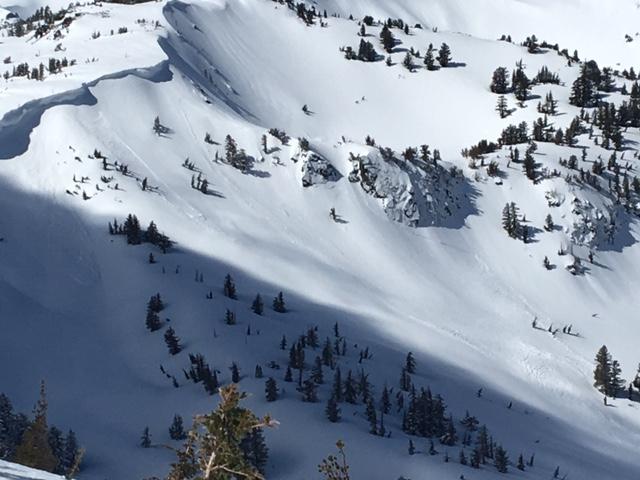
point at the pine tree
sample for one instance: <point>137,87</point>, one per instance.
<point>408,62</point>
<point>502,107</point>
<point>410,363</point>
<point>254,449</point>
<point>72,455</point>
<point>602,372</point>
<point>257,306</point>
<point>235,372</point>
<point>499,82</point>
<point>387,38</point>
<point>213,446</point>
<point>405,380</point>
<point>350,392</point>
<point>172,341</point>
<point>615,383</point>
<point>278,304</point>
<point>229,317</point>
<point>335,467</point>
<point>176,429</point>
<point>56,442</point>
<point>34,450</point>
<point>501,460</point>
<point>429,60</point>
<point>231,152</point>
<point>370,412</point>
<point>309,391</point>
<point>366,51</point>
<point>271,390</point>
<point>327,354</point>
<point>444,55</point>
<point>385,401</point>
<point>145,439</point>
<point>332,410</point>
<point>521,84</point>
<point>229,288</point>
<point>288,375</point>
<point>548,223</point>
<point>316,371</point>
<point>153,320</point>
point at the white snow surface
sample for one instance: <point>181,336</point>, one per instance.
<point>13,471</point>
<point>452,287</point>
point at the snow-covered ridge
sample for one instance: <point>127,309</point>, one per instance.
<point>415,259</point>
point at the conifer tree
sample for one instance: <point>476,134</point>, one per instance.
<point>56,442</point>
<point>499,81</point>
<point>548,223</point>
<point>501,459</point>
<point>316,371</point>
<point>521,85</point>
<point>34,450</point>
<point>350,392</point>
<point>502,107</point>
<point>257,306</point>
<point>145,439</point>
<point>309,391</point>
<point>335,467</point>
<point>153,321</point>
<point>370,412</point>
<point>387,38</point>
<point>271,390</point>
<point>385,401</point>
<point>278,303</point>
<point>172,341</point>
<point>176,429</point>
<point>429,59</point>
<point>410,363</point>
<point>229,317</point>
<point>72,456</point>
<point>408,62</point>
<point>235,372</point>
<point>444,55</point>
<point>255,451</point>
<point>332,411</point>
<point>229,287</point>
<point>213,448</point>
<point>602,372</point>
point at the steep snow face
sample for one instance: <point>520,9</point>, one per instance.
<point>440,277</point>
<point>574,24</point>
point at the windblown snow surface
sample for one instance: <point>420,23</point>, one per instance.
<point>417,261</point>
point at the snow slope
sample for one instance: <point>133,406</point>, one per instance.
<point>459,293</point>
<point>13,471</point>
<point>585,25</point>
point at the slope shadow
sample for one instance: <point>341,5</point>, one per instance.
<point>71,371</point>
